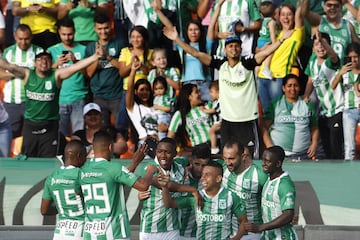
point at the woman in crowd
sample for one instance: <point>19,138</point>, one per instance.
<point>92,119</point>
<point>138,49</point>
<point>291,123</point>
<point>189,122</point>
<point>284,58</point>
<point>349,76</point>
<point>193,71</point>
<point>139,106</point>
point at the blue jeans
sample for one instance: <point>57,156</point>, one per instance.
<point>72,112</point>
<point>5,139</point>
<point>351,118</point>
<point>268,90</point>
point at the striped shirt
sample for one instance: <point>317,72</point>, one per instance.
<point>247,185</point>
<point>350,98</point>
<point>278,195</point>
<point>212,221</point>
<point>331,100</point>
<point>197,125</point>
<point>172,73</point>
<point>247,12</point>
<point>14,89</point>
<point>154,216</point>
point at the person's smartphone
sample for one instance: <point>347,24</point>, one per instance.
<point>65,52</point>
<point>347,60</point>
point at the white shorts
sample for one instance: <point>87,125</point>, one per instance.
<point>173,235</point>
<point>251,236</point>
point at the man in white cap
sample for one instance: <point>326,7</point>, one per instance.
<point>42,87</point>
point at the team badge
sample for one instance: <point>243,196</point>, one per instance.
<point>222,203</point>
<point>246,183</point>
<point>48,85</point>
<point>112,51</point>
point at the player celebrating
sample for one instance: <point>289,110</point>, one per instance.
<point>62,187</point>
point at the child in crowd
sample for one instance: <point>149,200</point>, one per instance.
<point>162,103</point>
<point>171,75</point>
<point>267,33</point>
<point>213,108</point>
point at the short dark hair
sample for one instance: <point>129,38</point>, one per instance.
<point>214,84</point>
<point>102,138</point>
<point>289,76</point>
<point>171,141</point>
<point>66,22</point>
<point>161,80</point>
<point>216,165</point>
<point>277,152</point>
<point>201,151</point>
<point>23,27</point>
<point>101,18</point>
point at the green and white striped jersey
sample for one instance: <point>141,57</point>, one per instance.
<point>350,98</point>
<point>213,220</point>
<point>102,184</point>
<point>247,186</point>
<point>63,188</point>
<point>14,89</point>
<point>348,15</point>
<point>197,125</point>
<point>322,75</point>
<point>166,4</point>
<point>247,12</point>
<point>278,195</point>
<point>154,216</point>
<point>188,225</point>
<point>172,73</point>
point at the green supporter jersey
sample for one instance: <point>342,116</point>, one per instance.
<point>248,186</point>
<point>42,97</point>
<point>14,91</point>
<point>187,215</point>
<point>154,216</point>
<point>350,98</point>
<point>173,74</point>
<point>278,195</point>
<point>166,4</point>
<point>340,36</point>
<point>213,220</point>
<point>83,18</point>
<point>292,123</point>
<point>106,82</point>
<point>322,75</point>
<point>351,18</point>
<point>198,124</point>
<point>63,188</point>
<point>102,185</point>
<point>73,89</point>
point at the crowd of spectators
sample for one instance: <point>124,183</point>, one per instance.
<point>147,68</point>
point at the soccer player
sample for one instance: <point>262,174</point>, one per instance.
<point>102,184</point>
<point>278,199</point>
<point>220,205</point>
<point>200,157</point>
<point>62,187</point>
<point>158,222</point>
<point>245,179</point>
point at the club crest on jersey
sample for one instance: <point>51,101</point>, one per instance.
<point>270,190</point>
<point>48,85</point>
<point>222,203</point>
<point>112,51</point>
<point>246,183</point>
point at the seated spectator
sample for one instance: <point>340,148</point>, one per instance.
<point>189,122</point>
<point>93,124</point>
<point>291,123</point>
